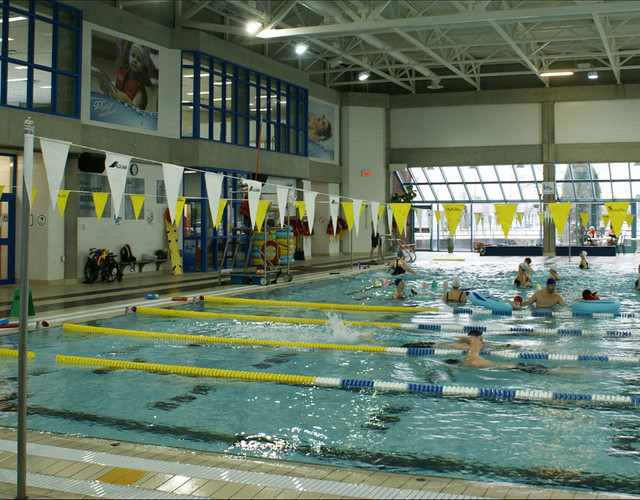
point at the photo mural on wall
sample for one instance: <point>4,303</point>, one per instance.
<point>323,134</point>
<point>124,82</point>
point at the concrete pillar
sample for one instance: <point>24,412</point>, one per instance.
<point>548,174</point>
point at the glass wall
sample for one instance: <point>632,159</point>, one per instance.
<point>225,102</point>
<point>40,56</point>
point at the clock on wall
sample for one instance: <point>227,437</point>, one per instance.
<point>133,169</point>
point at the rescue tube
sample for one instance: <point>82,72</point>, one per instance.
<point>273,260</point>
<point>595,306</point>
<point>489,302</point>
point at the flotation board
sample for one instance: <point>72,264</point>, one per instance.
<point>489,302</point>
<point>595,306</point>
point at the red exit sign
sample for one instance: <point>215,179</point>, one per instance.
<point>366,173</point>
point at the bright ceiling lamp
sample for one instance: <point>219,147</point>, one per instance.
<point>252,27</point>
<point>301,48</point>
<point>592,75</point>
<point>564,72</point>
<point>363,75</point>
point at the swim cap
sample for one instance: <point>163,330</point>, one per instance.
<point>524,266</point>
<point>553,268</point>
<point>551,281</point>
<point>517,298</point>
<point>455,283</point>
<point>527,260</point>
<point>583,253</point>
<point>398,280</point>
<point>474,333</point>
<point>399,254</point>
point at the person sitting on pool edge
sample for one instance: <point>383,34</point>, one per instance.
<point>455,294</point>
<point>523,280</point>
<point>398,265</point>
<point>583,260</point>
<point>547,297</point>
<point>399,291</point>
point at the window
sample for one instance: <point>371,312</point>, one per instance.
<point>239,106</point>
<point>40,56</point>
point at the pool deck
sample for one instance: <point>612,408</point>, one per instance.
<point>69,466</point>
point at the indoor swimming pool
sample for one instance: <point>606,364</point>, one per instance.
<point>588,444</point>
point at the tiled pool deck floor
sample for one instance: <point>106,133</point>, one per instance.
<point>67,466</point>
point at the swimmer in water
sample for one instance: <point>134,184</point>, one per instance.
<point>462,343</point>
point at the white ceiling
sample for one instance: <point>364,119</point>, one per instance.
<point>409,46</point>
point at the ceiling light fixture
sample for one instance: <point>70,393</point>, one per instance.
<point>592,75</point>
<point>335,62</point>
<point>557,73</point>
<point>301,48</point>
<point>252,27</point>
<point>363,75</point>
<point>435,84</point>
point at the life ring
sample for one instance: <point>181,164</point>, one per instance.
<point>595,306</point>
<point>275,260</point>
<point>489,302</point>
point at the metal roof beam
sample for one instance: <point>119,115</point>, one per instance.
<point>613,59</point>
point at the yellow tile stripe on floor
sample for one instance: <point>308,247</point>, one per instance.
<point>122,476</point>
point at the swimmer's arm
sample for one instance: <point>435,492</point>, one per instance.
<point>389,267</point>
<point>444,297</point>
<point>503,347</point>
<point>560,301</point>
<point>530,300</point>
<point>406,267</point>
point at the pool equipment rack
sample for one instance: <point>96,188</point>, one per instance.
<point>339,383</point>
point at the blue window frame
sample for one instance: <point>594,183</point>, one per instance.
<point>40,47</point>
<point>224,102</point>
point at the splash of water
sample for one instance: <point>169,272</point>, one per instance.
<point>341,333</point>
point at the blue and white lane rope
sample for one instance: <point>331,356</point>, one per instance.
<point>427,351</point>
<point>525,313</point>
<point>515,330</point>
<point>484,393</point>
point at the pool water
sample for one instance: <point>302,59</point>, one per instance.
<point>571,444</point>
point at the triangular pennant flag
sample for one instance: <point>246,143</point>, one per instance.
<point>347,207</point>
<point>617,211</point>
<point>301,206</point>
<point>362,207</point>
<point>381,210</point>
<point>334,208</point>
<point>418,212</point>
<point>54,154</point>
<point>254,189</point>
<point>137,200</point>
<point>221,205</point>
<point>389,218</point>
<point>33,195</point>
<point>437,214</point>
<point>117,168</point>
<point>375,213</point>
<point>605,220</point>
<point>27,165</point>
<point>559,214</point>
<point>357,210</point>
<point>282,193</point>
<point>628,219</point>
<point>213,182</point>
<point>453,212</point>
<point>1,190</point>
<point>519,217</point>
<point>400,213</point>
<point>63,196</point>
<point>504,214</point>
<point>310,203</point>
<point>100,200</point>
<point>261,213</point>
<point>584,218</point>
<point>179,208</point>
<point>478,217</point>
<point>172,179</point>
<point>541,216</point>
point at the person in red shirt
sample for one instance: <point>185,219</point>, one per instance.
<point>587,295</point>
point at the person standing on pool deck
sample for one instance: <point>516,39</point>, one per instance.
<point>455,294</point>
<point>376,241</point>
<point>547,297</point>
<point>398,265</point>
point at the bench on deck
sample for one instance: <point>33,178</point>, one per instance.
<point>143,262</point>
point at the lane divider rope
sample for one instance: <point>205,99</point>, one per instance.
<point>339,383</point>
<point>13,353</point>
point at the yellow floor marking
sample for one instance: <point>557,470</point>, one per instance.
<point>122,476</point>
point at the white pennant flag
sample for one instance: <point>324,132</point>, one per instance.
<point>310,205</point>
<point>27,166</point>
<point>334,206</point>
<point>172,179</point>
<point>374,212</point>
<point>214,188</point>
<point>390,219</point>
<point>357,207</point>
<point>54,154</point>
<point>419,218</point>
<point>254,190</point>
<point>117,167</point>
<point>282,193</point>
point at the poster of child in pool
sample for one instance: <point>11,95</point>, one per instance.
<point>125,72</point>
<point>323,134</point>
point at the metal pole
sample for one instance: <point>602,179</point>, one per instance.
<point>27,166</point>
<point>569,238</point>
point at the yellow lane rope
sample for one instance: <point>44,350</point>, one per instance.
<point>189,370</point>
<point>248,317</point>
<point>13,353</point>
<point>317,305</point>
<point>72,327</point>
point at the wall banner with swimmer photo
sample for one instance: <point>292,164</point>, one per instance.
<point>323,134</point>
<point>124,82</point>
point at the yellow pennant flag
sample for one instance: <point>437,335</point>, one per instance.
<point>1,190</point>
<point>261,213</point>
<point>222,203</point>
<point>179,209</point>
<point>559,214</point>
<point>137,200</point>
<point>33,195</point>
<point>605,220</point>
<point>541,216</point>
<point>585,219</point>
<point>300,205</point>
<point>504,214</point>
<point>617,211</point>
<point>347,207</point>
<point>63,196</point>
<point>437,214</point>
<point>100,200</point>
<point>478,217</point>
<point>380,210</point>
<point>629,219</point>
<point>453,212</point>
<point>362,207</point>
<point>519,217</point>
<point>400,214</point>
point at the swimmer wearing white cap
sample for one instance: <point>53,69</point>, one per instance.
<point>553,272</point>
<point>583,260</point>
<point>455,294</point>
